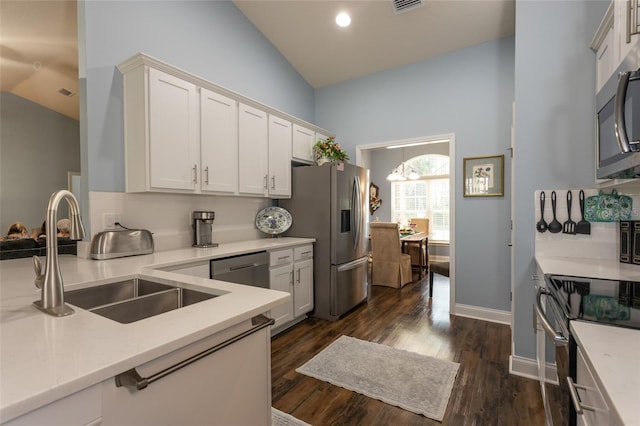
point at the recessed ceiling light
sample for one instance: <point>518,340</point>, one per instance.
<point>343,19</point>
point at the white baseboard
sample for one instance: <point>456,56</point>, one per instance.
<point>526,367</point>
<point>485,314</point>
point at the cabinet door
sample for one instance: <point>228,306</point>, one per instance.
<point>279,157</point>
<point>302,287</point>
<point>281,278</point>
<point>622,12</point>
<point>218,142</point>
<point>303,141</point>
<point>590,395</point>
<point>173,132</point>
<point>605,60</point>
<point>253,150</point>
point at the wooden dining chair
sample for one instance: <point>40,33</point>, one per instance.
<point>421,225</point>
<point>390,267</point>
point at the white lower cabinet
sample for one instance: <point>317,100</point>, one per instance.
<point>595,411</point>
<point>231,386</point>
<point>291,271</point>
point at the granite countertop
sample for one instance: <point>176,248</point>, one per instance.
<point>44,358</point>
<point>613,356</point>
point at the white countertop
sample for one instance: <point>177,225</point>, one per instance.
<point>586,267</point>
<point>613,355</point>
<point>44,358</point>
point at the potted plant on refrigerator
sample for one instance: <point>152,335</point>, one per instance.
<point>328,150</point>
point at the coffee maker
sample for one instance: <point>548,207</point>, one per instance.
<point>203,229</point>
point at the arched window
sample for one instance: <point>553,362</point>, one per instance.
<point>427,196</point>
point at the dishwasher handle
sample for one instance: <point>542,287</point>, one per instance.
<point>132,378</point>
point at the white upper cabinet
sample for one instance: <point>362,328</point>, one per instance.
<point>253,150</point>
<point>303,141</point>
<point>185,134</point>
<point>279,157</point>
<point>625,25</point>
<point>219,142</point>
<point>173,132</point>
<point>614,38</point>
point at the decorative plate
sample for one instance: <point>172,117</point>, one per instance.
<point>273,220</point>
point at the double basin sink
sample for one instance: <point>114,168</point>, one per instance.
<point>134,299</point>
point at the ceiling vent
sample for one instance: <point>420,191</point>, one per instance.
<point>401,6</point>
<point>66,92</point>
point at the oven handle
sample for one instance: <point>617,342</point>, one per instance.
<point>575,399</point>
<point>558,338</point>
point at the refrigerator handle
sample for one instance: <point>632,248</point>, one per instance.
<point>354,264</point>
<point>356,206</point>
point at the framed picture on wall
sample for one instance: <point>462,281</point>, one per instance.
<point>483,176</point>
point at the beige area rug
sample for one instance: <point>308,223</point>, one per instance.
<point>414,382</point>
<point>278,418</point>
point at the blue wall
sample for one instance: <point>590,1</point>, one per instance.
<point>554,126</point>
<point>211,39</point>
<point>469,93</point>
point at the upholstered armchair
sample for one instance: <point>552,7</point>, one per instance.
<point>390,266</point>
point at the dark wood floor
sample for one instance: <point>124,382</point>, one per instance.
<point>484,392</point>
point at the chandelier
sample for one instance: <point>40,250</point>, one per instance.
<point>400,173</point>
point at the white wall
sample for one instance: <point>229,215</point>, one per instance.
<point>468,93</point>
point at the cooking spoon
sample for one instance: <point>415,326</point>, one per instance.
<point>554,226</point>
<point>541,226</point>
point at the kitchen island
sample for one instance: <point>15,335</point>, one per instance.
<point>45,358</point>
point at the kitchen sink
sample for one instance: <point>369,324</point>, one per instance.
<point>135,299</point>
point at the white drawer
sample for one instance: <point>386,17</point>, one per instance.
<point>280,257</point>
<point>303,252</point>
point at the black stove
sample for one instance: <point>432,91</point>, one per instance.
<point>612,302</point>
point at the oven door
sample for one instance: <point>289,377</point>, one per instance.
<point>550,321</point>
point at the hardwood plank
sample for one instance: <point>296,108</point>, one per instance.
<point>484,392</point>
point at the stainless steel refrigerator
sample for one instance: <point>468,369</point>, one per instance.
<point>330,204</point>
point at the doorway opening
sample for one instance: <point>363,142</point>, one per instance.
<point>383,159</point>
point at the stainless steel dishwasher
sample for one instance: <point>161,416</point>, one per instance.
<point>249,269</point>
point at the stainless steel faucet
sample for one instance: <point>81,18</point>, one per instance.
<point>52,301</point>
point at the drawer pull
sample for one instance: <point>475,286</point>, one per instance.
<point>132,379</point>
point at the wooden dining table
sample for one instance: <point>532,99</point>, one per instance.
<point>420,239</point>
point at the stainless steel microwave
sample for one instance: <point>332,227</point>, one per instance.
<point>618,122</point>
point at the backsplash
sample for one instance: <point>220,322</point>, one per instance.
<point>168,216</point>
<point>602,243</point>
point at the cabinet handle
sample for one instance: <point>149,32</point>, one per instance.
<point>632,19</point>
<point>575,399</point>
<point>291,277</point>
<point>206,175</point>
<point>273,182</point>
<point>132,379</point>
<point>195,173</point>
<point>266,180</point>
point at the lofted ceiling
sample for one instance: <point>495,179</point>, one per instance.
<point>306,34</point>
<point>39,53</point>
